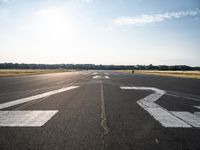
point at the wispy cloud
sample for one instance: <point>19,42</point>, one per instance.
<point>152,18</point>
<point>86,1</point>
<point>6,1</point>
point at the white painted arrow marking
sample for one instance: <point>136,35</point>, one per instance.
<point>28,118</point>
<point>96,77</point>
<point>190,118</point>
<point>101,77</point>
<point>106,77</point>
<point>166,118</point>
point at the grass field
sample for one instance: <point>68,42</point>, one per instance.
<point>182,74</point>
<point>21,72</point>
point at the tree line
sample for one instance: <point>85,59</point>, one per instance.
<point>95,67</point>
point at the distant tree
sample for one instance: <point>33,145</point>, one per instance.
<point>97,67</point>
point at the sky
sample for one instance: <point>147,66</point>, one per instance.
<point>125,32</point>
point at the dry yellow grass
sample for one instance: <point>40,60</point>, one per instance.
<point>182,74</point>
<point>21,72</point>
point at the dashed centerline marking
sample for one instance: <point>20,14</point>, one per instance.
<point>103,117</point>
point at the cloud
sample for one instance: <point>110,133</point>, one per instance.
<point>6,1</point>
<point>152,18</point>
<point>86,1</point>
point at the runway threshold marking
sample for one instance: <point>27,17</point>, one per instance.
<point>28,118</point>
<point>166,118</point>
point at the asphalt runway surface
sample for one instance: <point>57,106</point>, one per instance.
<point>96,110</point>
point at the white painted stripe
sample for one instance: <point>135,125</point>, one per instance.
<point>106,77</point>
<point>197,114</point>
<point>192,119</point>
<point>94,73</point>
<point>198,107</point>
<point>143,88</point>
<point>27,99</point>
<point>167,119</point>
<point>184,95</point>
<point>96,77</point>
<point>25,118</point>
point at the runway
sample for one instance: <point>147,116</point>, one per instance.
<point>99,110</point>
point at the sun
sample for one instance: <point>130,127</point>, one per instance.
<point>54,22</point>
